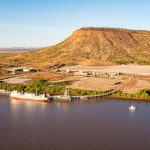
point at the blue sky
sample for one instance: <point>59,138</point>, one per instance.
<point>38,23</point>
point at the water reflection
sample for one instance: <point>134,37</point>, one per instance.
<point>62,105</point>
<point>93,101</point>
<point>131,101</point>
<point>90,124</point>
<point>27,104</point>
<point>132,112</point>
<point>26,109</point>
<point>31,107</point>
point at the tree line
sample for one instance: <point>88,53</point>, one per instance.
<point>43,86</point>
<point>142,94</point>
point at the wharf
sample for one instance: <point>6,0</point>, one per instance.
<point>92,96</point>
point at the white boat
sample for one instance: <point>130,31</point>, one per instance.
<point>132,108</point>
<point>29,96</point>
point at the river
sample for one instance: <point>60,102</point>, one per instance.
<point>104,124</point>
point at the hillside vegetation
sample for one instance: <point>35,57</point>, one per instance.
<point>91,46</point>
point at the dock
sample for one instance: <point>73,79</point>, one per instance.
<point>92,96</point>
<point>71,98</point>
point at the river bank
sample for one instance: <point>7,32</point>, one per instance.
<point>143,94</point>
<point>129,98</point>
<point>87,97</point>
<point>58,88</point>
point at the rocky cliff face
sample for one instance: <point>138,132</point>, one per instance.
<point>95,46</point>
<point>102,45</point>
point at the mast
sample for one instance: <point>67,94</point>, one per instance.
<point>66,93</point>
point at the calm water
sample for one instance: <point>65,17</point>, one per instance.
<point>90,125</point>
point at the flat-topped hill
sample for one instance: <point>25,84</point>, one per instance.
<point>94,46</point>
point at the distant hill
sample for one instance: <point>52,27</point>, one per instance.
<point>93,46</point>
<point>4,49</point>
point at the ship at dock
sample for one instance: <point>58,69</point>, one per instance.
<point>65,97</point>
<point>29,96</point>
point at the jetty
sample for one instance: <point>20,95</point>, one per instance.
<point>93,96</point>
<point>67,97</point>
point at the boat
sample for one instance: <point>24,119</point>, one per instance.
<point>29,96</point>
<point>65,97</point>
<point>132,108</point>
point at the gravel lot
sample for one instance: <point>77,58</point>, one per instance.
<point>131,69</point>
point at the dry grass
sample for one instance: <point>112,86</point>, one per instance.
<point>50,76</point>
<point>101,84</point>
<point>88,46</point>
